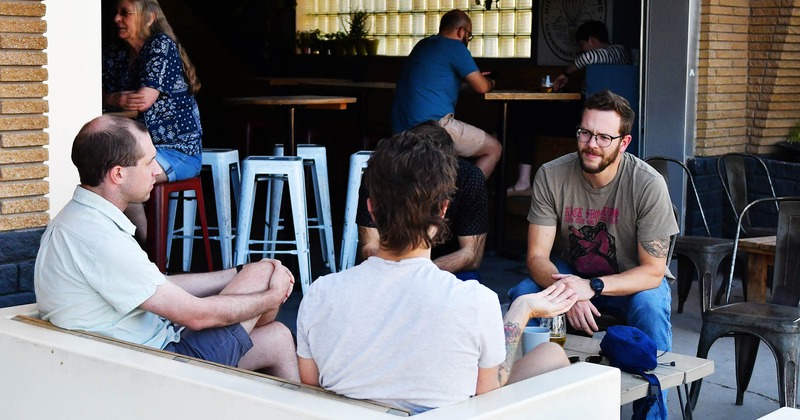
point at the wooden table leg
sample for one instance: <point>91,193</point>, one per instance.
<point>757,265</point>
<point>500,185</point>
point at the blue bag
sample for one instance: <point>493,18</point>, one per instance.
<point>633,351</point>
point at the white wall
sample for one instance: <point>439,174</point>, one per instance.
<point>74,70</point>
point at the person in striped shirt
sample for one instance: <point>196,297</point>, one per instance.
<point>592,37</point>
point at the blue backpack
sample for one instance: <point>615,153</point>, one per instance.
<point>633,351</point>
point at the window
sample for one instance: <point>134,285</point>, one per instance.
<point>504,31</point>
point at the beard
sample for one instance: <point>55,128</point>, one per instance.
<point>609,157</point>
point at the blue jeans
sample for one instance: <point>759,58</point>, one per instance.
<point>178,165</point>
<point>648,310</point>
<point>469,275</point>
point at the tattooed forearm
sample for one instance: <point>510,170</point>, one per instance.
<point>657,248</point>
<point>513,334</point>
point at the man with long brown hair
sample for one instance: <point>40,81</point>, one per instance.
<point>396,328</point>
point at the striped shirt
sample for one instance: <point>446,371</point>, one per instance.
<point>612,54</point>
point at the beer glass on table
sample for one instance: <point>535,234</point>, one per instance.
<point>558,328</point>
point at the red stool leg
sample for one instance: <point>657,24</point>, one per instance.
<point>204,223</point>
<point>157,213</point>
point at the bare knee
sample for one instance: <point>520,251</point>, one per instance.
<point>493,146</point>
<point>544,358</point>
<point>277,332</point>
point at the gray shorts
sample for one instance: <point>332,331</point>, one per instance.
<point>225,345</point>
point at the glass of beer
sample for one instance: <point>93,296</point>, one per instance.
<point>546,86</point>
<point>558,328</point>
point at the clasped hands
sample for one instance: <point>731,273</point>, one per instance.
<point>131,101</point>
<point>581,315</point>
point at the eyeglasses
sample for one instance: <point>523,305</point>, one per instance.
<point>125,12</point>
<point>603,140</point>
<point>470,34</point>
<point>596,359</point>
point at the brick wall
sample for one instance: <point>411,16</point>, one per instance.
<point>23,205</point>
<point>748,71</point>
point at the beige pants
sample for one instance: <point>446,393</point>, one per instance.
<point>468,139</point>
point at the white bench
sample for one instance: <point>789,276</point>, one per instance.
<point>49,373</point>
<point>685,370</point>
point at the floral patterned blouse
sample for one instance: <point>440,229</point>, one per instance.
<point>174,119</point>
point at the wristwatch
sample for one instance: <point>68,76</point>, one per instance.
<point>597,285</point>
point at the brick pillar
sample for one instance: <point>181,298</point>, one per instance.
<point>722,77</point>
<point>749,75</point>
<point>774,68</point>
<point>23,206</point>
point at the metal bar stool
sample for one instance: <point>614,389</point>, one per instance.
<point>315,157</point>
<point>157,212</point>
<point>224,165</point>
<point>275,169</point>
<point>358,163</point>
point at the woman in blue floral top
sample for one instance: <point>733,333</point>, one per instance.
<point>149,72</point>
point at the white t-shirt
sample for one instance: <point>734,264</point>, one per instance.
<point>91,275</point>
<point>405,333</point>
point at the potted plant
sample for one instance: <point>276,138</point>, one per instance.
<point>339,43</point>
<point>792,144</point>
<point>357,22</point>
<point>308,41</point>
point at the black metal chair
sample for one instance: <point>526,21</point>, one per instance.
<point>732,172</point>
<point>704,252</point>
<point>777,322</point>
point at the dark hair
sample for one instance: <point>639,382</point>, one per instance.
<point>409,179</point>
<point>437,134</point>
<point>607,100</point>
<point>103,143</point>
<point>592,28</point>
<point>453,20</point>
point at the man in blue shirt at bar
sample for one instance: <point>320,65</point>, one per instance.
<point>429,84</point>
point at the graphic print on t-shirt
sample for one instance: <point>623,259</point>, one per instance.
<point>592,250</point>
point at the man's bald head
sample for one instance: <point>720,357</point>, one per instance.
<point>103,143</point>
<point>453,20</point>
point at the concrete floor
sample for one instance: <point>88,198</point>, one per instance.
<point>718,394</point>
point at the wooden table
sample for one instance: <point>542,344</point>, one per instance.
<point>294,81</point>
<point>687,369</point>
<point>350,84</point>
<point>290,103</point>
<point>760,256</point>
<point>506,96</point>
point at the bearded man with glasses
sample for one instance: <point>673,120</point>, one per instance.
<point>600,223</point>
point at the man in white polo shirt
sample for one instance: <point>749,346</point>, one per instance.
<point>91,274</point>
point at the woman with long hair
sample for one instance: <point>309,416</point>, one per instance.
<point>149,72</point>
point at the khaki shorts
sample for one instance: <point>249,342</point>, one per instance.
<point>468,139</point>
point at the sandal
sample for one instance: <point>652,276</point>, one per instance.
<point>513,192</point>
